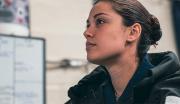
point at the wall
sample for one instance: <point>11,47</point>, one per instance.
<point>62,24</point>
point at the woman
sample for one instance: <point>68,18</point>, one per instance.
<point>119,34</point>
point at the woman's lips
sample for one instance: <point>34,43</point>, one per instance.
<point>90,45</point>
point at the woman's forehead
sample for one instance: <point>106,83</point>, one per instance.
<point>103,7</point>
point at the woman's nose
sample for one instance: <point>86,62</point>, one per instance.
<point>88,32</point>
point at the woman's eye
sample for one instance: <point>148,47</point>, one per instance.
<point>99,21</point>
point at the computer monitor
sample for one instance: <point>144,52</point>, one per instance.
<point>22,70</point>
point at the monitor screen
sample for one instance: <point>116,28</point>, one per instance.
<point>22,70</point>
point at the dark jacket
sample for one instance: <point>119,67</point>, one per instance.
<point>163,81</point>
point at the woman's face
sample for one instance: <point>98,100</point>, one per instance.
<point>105,34</point>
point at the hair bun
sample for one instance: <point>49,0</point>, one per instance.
<point>156,30</point>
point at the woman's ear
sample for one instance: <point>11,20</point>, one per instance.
<point>135,32</point>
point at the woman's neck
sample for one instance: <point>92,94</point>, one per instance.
<point>121,71</point>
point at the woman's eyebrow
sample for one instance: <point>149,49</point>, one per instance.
<point>99,14</point>
<point>96,15</point>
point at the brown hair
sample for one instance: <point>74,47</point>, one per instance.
<point>132,12</point>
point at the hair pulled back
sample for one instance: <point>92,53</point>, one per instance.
<point>132,12</point>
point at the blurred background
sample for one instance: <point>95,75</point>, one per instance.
<point>62,23</point>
